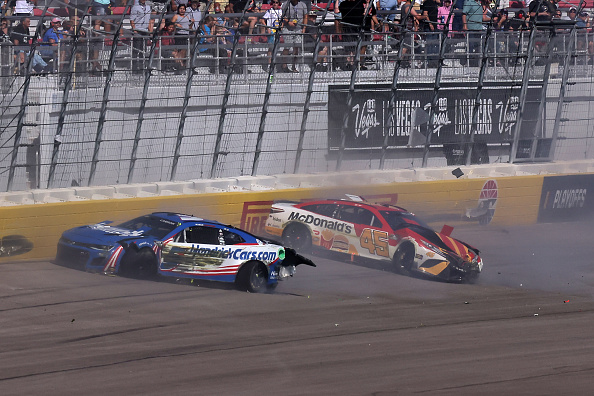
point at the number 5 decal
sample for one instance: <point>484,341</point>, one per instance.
<point>375,241</point>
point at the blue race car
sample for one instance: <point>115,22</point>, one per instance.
<point>180,246</point>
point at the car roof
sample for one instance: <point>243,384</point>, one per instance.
<point>358,203</point>
<point>183,218</point>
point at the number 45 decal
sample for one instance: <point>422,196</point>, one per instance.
<point>375,241</point>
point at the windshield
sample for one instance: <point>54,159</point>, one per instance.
<point>398,220</point>
<point>150,225</point>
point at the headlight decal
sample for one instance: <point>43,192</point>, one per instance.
<point>435,269</point>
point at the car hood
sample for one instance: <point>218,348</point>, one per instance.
<point>445,242</point>
<point>101,233</point>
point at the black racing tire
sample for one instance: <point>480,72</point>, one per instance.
<point>298,237</point>
<point>252,277</point>
<point>404,258</point>
<point>140,264</point>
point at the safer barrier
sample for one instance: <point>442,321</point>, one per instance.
<point>32,231</point>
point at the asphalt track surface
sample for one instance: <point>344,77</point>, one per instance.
<point>339,329</point>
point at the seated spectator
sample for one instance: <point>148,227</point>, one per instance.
<point>388,5</point>
<point>312,31</point>
<point>5,30</point>
<point>582,25</point>
<point>571,14</point>
<point>209,39</point>
<point>101,8</point>
<point>51,38</point>
<point>21,39</point>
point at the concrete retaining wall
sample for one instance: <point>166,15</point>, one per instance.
<point>511,193</point>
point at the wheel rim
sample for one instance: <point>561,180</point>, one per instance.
<point>257,278</point>
<point>404,258</point>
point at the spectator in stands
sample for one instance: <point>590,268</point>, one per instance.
<point>100,9</point>
<point>209,39</point>
<point>514,27</point>
<point>583,21</point>
<point>582,25</point>
<point>194,13</point>
<point>445,16</point>
<point>176,3</point>
<point>76,8</point>
<point>68,33</point>
<point>499,25</point>
<point>337,17</point>
<point>249,22</point>
<point>353,15</point>
<point>184,24</point>
<point>473,16</point>
<point>457,23</point>
<point>24,7</point>
<point>5,30</point>
<point>142,26</point>
<point>272,18</point>
<point>571,14</point>
<point>51,38</point>
<point>20,37</point>
<point>409,21</point>
<point>388,5</point>
<point>293,26</point>
<point>166,46</point>
<point>312,31</point>
<point>541,10</point>
<point>429,9</point>
<point>217,12</point>
<point>370,24</point>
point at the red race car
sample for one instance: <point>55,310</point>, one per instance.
<point>381,232</point>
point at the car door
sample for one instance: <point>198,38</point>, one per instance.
<point>196,247</point>
<point>365,236</point>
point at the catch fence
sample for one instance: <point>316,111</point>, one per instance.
<point>113,106</point>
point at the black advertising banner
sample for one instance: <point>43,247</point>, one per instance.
<point>368,118</point>
<point>565,198</point>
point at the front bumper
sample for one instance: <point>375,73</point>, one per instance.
<point>81,258</point>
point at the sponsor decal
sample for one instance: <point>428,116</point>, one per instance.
<point>375,241</point>
<point>116,231</point>
<point>374,117</point>
<point>570,198</point>
<point>190,252</point>
<point>324,223</point>
<point>565,198</point>
<point>254,216</point>
<point>487,203</point>
<point>255,213</point>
